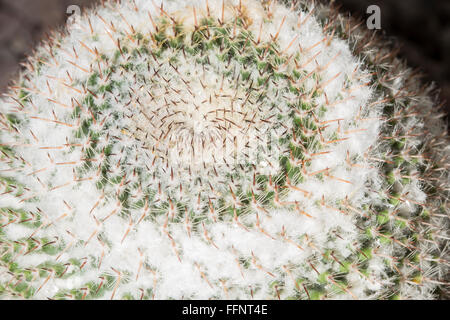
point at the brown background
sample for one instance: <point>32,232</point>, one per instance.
<point>423,26</point>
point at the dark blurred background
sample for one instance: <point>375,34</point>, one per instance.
<point>23,23</point>
<point>423,30</point>
<point>422,26</point>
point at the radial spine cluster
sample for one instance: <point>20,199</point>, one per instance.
<point>210,149</point>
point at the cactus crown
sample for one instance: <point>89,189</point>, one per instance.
<point>220,149</point>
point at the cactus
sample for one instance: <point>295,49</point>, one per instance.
<point>221,150</point>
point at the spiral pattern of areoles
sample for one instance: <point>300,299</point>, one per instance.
<point>219,150</point>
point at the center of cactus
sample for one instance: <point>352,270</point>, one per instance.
<point>198,115</point>
<point>205,108</point>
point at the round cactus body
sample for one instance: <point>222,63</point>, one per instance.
<point>221,150</point>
